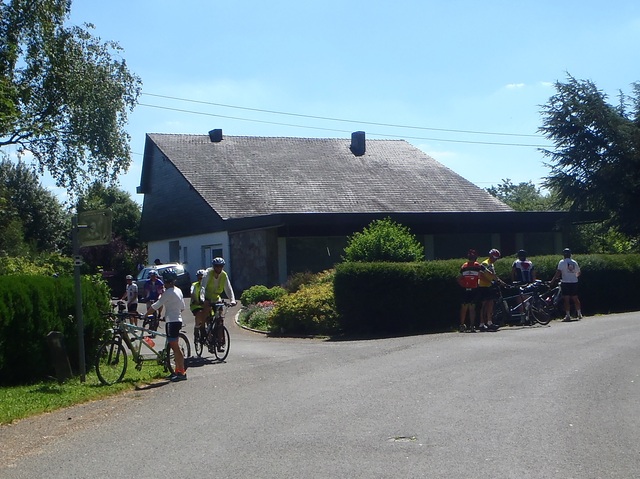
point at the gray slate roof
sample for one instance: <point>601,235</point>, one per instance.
<point>244,176</point>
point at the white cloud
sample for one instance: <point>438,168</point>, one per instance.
<point>513,86</point>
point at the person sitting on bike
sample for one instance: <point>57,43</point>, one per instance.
<point>522,273</point>
<point>196,306</point>
<point>214,282</point>
<point>173,300</point>
<point>153,289</point>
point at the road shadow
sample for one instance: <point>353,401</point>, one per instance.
<point>196,362</point>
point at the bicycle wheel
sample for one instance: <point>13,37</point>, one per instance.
<point>111,362</point>
<point>539,311</point>
<point>500,315</point>
<point>224,345</point>
<point>198,342</point>
<point>185,347</point>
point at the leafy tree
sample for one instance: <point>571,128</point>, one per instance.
<point>64,95</point>
<point>523,196</point>
<point>384,240</point>
<point>32,214</point>
<point>595,165</point>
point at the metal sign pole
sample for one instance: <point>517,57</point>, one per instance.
<point>78,288</point>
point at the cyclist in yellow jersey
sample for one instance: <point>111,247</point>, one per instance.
<point>196,304</point>
<point>487,292</point>
<point>214,282</point>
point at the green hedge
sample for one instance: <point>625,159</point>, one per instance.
<point>394,298</point>
<point>31,307</point>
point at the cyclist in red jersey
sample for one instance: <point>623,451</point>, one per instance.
<point>468,280</point>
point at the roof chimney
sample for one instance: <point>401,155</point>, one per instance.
<point>357,143</point>
<point>215,135</point>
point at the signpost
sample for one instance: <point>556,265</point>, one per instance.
<point>89,228</point>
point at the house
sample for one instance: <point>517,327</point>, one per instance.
<point>275,206</point>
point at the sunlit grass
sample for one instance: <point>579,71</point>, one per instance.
<point>18,402</point>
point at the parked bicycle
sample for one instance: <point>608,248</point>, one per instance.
<point>216,337</point>
<point>126,339</point>
<point>552,297</point>
<point>522,305</point>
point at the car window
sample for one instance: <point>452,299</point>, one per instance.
<point>144,274</point>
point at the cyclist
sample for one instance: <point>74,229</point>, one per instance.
<point>172,298</point>
<point>153,289</point>
<point>568,273</point>
<point>486,282</point>
<point>131,297</point>
<point>523,273</point>
<point>196,306</point>
<point>214,282</point>
<point>468,280</point>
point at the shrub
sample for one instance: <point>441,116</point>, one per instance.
<point>31,307</point>
<point>257,316</point>
<point>310,310</point>
<point>258,293</point>
<point>384,240</point>
<point>296,280</point>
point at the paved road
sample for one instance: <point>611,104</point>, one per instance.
<point>545,402</point>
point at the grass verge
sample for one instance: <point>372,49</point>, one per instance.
<point>19,402</point>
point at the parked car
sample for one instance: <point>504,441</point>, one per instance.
<point>183,282</point>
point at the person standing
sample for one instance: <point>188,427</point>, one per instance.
<point>522,273</point>
<point>131,297</point>
<point>173,302</point>
<point>468,280</point>
<point>487,290</point>
<point>522,270</point>
<point>568,273</point>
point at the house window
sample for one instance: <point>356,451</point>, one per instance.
<point>209,252</point>
<point>174,251</point>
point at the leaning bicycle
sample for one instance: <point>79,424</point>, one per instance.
<point>522,305</point>
<point>124,340</point>
<point>216,335</point>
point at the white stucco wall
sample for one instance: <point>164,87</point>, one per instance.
<point>193,250</point>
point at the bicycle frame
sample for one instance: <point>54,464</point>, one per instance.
<point>521,310</point>
<point>124,330</point>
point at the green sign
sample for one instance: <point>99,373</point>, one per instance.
<point>94,227</point>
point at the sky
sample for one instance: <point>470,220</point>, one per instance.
<point>464,81</point>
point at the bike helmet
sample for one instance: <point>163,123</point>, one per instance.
<point>471,254</point>
<point>200,272</point>
<point>494,253</point>
<point>522,255</point>
<point>129,277</point>
<point>153,271</point>
<point>169,275</point>
<point>566,253</point>
<point>218,261</point>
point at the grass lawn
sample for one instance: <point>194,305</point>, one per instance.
<point>18,402</point>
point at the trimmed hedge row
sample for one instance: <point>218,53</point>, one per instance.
<point>393,298</point>
<point>31,307</point>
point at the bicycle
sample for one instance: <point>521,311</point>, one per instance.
<point>216,336</point>
<point>112,357</point>
<point>151,321</point>
<point>528,306</point>
<point>552,298</point>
